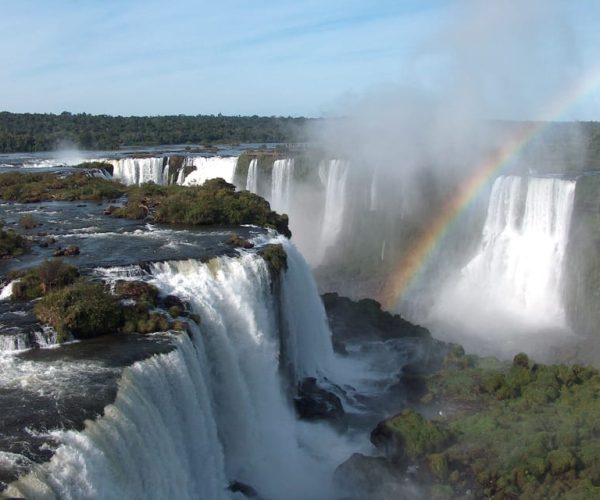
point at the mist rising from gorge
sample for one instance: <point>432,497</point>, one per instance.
<point>414,142</point>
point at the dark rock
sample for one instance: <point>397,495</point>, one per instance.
<point>110,209</point>
<point>43,244</point>
<point>243,488</point>
<point>237,241</point>
<point>70,251</point>
<point>51,240</point>
<point>173,301</point>
<point>365,320</point>
<point>315,403</point>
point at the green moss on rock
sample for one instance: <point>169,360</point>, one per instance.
<point>275,257</point>
<point>409,435</point>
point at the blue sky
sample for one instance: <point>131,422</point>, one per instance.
<point>269,57</point>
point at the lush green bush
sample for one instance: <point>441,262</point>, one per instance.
<point>515,430</point>
<point>411,436</point>
<point>82,310</point>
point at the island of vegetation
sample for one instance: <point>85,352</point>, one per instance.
<point>215,203</point>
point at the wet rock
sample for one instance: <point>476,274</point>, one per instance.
<point>315,403</point>
<point>70,251</point>
<point>365,320</point>
<point>238,242</point>
<point>243,488</point>
<point>110,209</point>
<point>173,301</point>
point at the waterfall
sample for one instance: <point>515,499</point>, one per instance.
<point>252,179</point>
<point>133,171</point>
<point>157,440</point>
<point>308,339</point>
<point>209,168</point>
<point>335,203</point>
<point>215,409</point>
<point>517,272</point>
<point>373,193</point>
<point>281,187</point>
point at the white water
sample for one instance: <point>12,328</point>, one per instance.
<point>7,290</point>
<point>281,185</point>
<point>217,409</point>
<point>252,179</point>
<point>210,168</point>
<point>134,171</point>
<point>158,440</point>
<point>335,203</point>
<point>514,282</point>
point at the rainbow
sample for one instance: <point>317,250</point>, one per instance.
<point>412,262</point>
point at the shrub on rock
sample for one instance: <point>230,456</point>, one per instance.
<point>82,310</point>
<point>275,256</point>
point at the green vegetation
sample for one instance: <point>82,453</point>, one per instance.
<point>216,202</point>
<point>48,276</point>
<point>81,310</point>
<point>275,257</point>
<point>43,132</point>
<point>12,244</point>
<point>520,430</point>
<point>35,187</point>
<point>411,436</point>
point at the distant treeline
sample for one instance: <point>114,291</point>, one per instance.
<point>30,132</point>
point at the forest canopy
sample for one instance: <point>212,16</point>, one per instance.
<point>31,132</point>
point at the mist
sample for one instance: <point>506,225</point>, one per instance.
<point>410,144</point>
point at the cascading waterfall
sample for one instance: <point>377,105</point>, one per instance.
<point>307,336</point>
<point>157,440</point>
<point>133,171</point>
<point>281,187</point>
<point>252,179</point>
<point>517,271</point>
<point>335,203</point>
<point>210,168</point>
<point>215,410</point>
